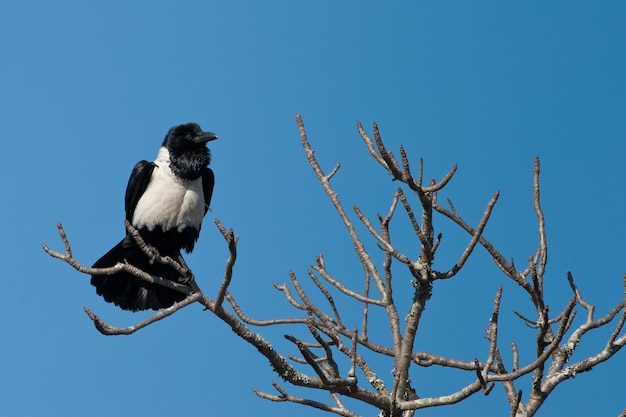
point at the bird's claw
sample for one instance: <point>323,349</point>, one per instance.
<point>187,280</point>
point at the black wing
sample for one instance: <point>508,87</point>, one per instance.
<point>137,183</point>
<point>208,181</point>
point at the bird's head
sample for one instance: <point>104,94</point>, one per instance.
<point>187,137</point>
<point>186,145</point>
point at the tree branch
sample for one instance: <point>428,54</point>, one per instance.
<point>333,344</point>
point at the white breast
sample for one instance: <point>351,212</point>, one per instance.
<point>169,201</point>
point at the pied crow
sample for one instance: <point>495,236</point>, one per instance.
<point>165,201</point>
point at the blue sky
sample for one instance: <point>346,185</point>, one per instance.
<point>87,90</point>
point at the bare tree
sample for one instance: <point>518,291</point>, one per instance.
<point>337,358</point>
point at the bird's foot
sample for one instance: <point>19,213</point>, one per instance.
<point>186,280</point>
<point>182,262</point>
<point>153,255</point>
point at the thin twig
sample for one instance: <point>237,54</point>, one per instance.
<point>271,322</point>
<point>366,261</point>
<point>109,330</point>
<point>472,244</point>
<point>231,241</point>
<point>541,223</point>
<point>321,269</point>
<point>284,396</point>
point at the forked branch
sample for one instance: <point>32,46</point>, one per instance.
<point>342,353</point>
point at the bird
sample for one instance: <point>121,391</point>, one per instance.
<point>165,202</point>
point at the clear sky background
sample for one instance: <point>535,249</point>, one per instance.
<point>87,89</point>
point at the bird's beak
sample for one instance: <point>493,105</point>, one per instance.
<point>205,137</point>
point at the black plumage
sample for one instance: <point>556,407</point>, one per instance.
<point>165,201</point>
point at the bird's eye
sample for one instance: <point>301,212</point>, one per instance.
<point>188,135</point>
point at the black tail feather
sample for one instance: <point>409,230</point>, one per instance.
<point>129,292</point>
